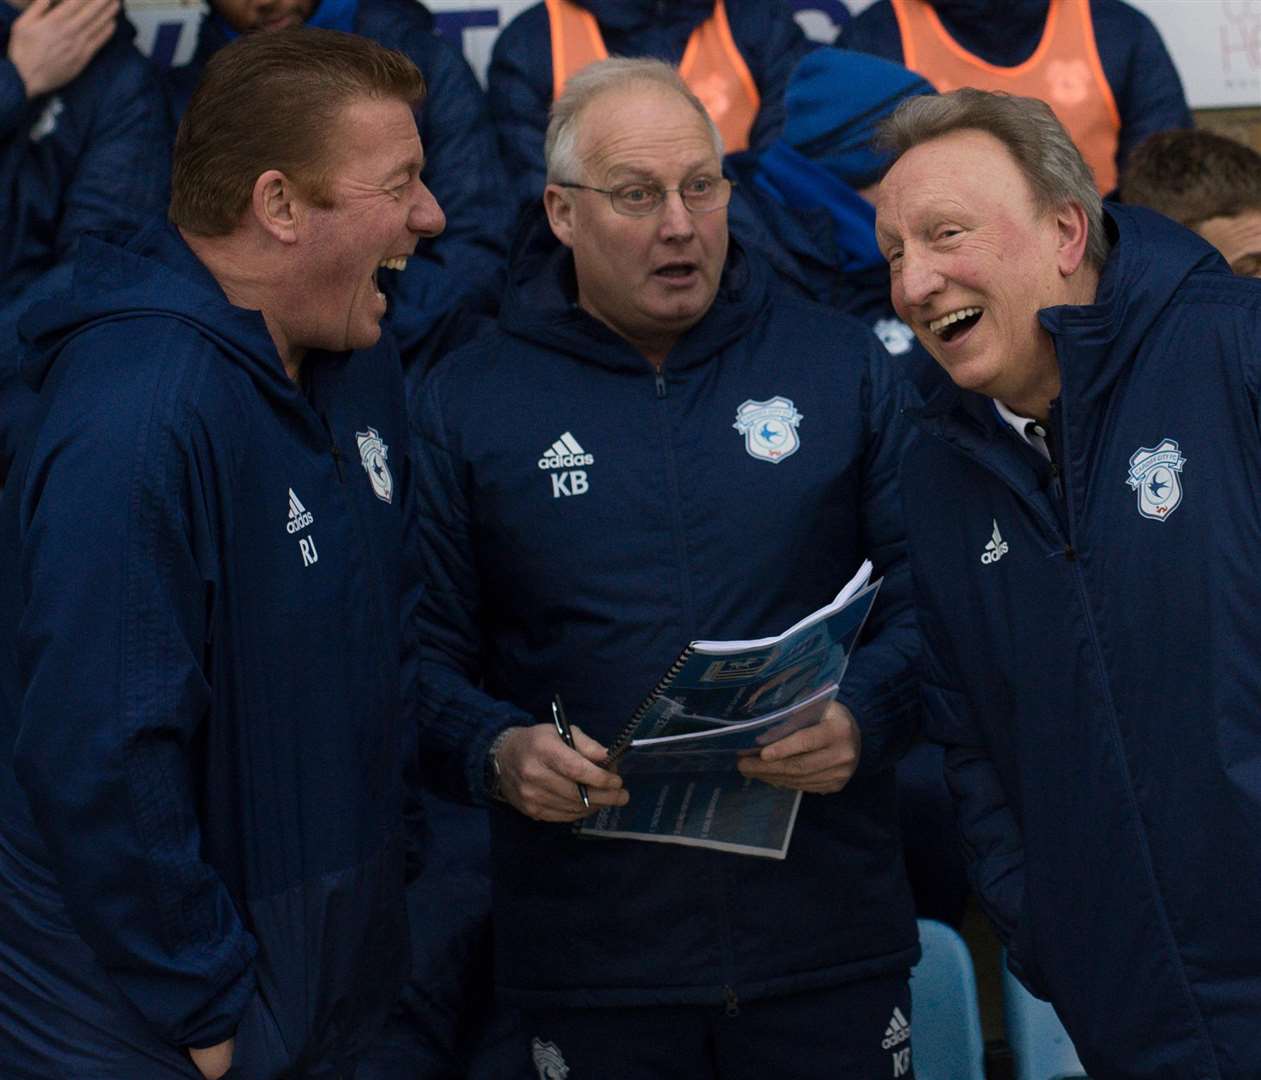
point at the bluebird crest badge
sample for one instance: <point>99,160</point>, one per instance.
<point>372,454</point>
<point>769,428</point>
<point>1156,475</point>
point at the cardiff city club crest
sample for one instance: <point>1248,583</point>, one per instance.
<point>372,454</point>
<point>1156,474</point>
<point>769,428</point>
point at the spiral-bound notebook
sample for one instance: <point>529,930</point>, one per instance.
<point>678,753</point>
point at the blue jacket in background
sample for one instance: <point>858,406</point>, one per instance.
<point>1094,671</point>
<point>811,248</point>
<point>1005,33</point>
<point>202,662</point>
<point>92,156</point>
<point>676,532</point>
<point>458,275</point>
<point>520,76</point>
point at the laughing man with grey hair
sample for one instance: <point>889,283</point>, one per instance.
<point>1081,511</point>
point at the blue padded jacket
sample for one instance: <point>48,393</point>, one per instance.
<point>1091,661</point>
<point>675,532</point>
<point>520,76</point>
<point>202,668</point>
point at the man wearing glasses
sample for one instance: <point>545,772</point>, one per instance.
<point>648,451</point>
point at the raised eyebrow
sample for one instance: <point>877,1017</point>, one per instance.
<point>630,174</point>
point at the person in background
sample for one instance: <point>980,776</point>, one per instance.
<point>436,301</point>
<point>735,55</point>
<point>80,114</point>
<point>1101,65</point>
<point>1207,182</point>
<point>1082,517</point>
<point>207,570</point>
<point>805,201</point>
<point>637,334</point>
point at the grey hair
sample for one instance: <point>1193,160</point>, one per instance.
<point>1036,140</point>
<point>560,149</point>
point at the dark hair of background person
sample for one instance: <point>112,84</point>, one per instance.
<point>1192,176</point>
<point>270,101</point>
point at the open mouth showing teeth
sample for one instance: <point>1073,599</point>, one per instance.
<point>675,270</point>
<point>949,327</point>
<point>398,262</point>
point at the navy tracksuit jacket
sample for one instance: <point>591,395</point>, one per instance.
<point>203,571</point>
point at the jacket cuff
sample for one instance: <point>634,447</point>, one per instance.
<point>888,723</point>
<point>475,763</point>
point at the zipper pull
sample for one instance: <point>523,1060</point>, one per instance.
<point>733,1002</point>
<point>661,383</point>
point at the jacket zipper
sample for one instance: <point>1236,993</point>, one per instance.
<point>732,1002</point>
<point>334,448</point>
<point>1053,526</point>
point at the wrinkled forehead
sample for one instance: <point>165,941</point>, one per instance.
<point>643,128</point>
<point>961,171</point>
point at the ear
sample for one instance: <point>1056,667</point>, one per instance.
<point>276,205</point>
<point>1073,231</point>
<point>559,205</point>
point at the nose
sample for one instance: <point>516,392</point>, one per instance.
<point>918,278</point>
<point>426,216</point>
<point>676,219</point>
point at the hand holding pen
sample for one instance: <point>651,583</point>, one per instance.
<point>545,776</point>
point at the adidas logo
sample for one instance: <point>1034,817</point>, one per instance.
<point>565,453</point>
<point>996,548</point>
<point>299,516</point>
<point>898,1031</point>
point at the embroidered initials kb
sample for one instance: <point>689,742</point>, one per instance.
<point>569,483</point>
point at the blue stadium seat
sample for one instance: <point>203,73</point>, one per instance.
<point>946,1020</point>
<point>1039,1043</point>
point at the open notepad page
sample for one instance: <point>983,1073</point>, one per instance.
<point>852,588</point>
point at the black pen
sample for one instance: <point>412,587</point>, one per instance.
<point>562,729</point>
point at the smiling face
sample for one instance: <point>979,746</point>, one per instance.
<point>380,209</point>
<point>246,15</point>
<point>972,259</point>
<point>651,278</point>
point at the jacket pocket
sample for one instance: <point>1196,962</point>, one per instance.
<point>259,1053</point>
